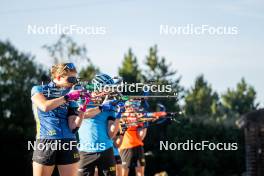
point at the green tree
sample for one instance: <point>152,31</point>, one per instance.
<point>200,99</point>
<point>89,72</point>
<point>158,71</point>
<point>241,99</point>
<point>157,68</point>
<point>18,73</point>
<point>65,49</point>
<point>129,70</point>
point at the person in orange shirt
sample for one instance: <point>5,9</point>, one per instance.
<point>131,148</point>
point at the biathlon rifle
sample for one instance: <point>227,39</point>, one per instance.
<point>98,97</point>
<point>144,120</point>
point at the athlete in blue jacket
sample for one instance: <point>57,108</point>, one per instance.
<point>95,135</point>
<point>57,122</point>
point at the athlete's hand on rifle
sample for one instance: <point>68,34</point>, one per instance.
<point>108,106</point>
<point>76,94</point>
<point>84,105</point>
<point>120,109</point>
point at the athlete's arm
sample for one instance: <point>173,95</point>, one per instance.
<point>142,133</point>
<point>113,124</point>
<point>113,127</point>
<point>106,106</point>
<point>91,112</point>
<point>75,121</point>
<point>118,141</point>
<point>47,105</point>
<point>76,117</point>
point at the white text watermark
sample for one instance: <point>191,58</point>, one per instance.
<point>61,145</point>
<point>60,29</point>
<point>191,29</point>
<point>126,87</point>
<point>190,145</point>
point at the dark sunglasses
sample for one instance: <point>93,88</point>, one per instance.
<point>72,79</point>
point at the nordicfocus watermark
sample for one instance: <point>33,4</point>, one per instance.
<point>126,87</point>
<point>60,145</point>
<point>191,29</point>
<point>59,29</point>
<point>190,145</point>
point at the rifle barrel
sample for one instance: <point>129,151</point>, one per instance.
<point>151,96</point>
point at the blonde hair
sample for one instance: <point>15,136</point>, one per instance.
<point>61,70</point>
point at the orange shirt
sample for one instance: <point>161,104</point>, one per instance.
<point>131,138</point>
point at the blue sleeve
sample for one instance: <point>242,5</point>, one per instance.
<point>36,89</point>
